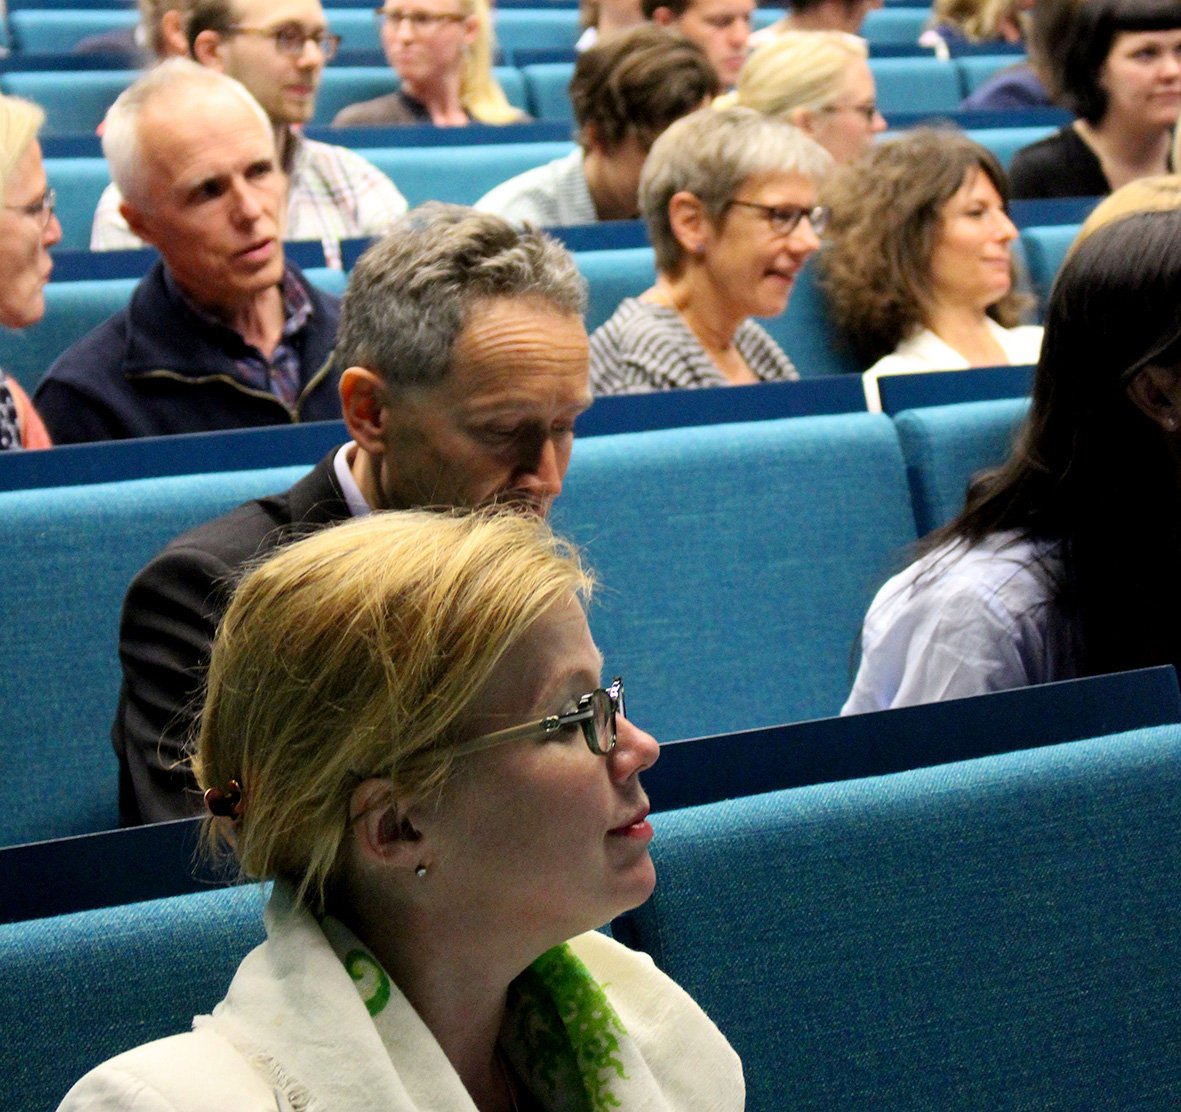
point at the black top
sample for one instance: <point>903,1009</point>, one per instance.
<point>1061,165</point>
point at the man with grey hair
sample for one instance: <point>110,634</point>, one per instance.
<point>222,332</point>
<point>278,50</point>
<point>465,367</point>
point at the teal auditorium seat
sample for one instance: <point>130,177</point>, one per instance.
<point>1004,142</point>
<point>71,310</point>
<point>341,86</point>
<point>611,276</point>
<point>1045,252</point>
<point>997,933</point>
<point>900,24</point>
<point>546,86</point>
<point>737,562</point>
<point>917,84</point>
<point>45,31</point>
<point>975,69</point>
<point>539,28</point>
<point>74,102</point>
<point>62,592</point>
<point>78,989</point>
<point>806,331</point>
<point>459,174</point>
<point>944,446</point>
<point>79,183</point>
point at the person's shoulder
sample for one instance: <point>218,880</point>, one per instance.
<point>389,108</point>
<point>197,1071</point>
<point>533,194</point>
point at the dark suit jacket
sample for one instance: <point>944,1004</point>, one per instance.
<point>169,618</point>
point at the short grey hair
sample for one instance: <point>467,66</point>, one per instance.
<point>122,141</point>
<point>409,295</point>
<point>710,153</point>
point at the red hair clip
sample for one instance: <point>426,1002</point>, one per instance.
<point>225,802</point>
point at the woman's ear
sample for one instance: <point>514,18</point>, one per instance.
<point>1154,391</point>
<point>804,119</point>
<point>689,221</point>
<point>382,825</point>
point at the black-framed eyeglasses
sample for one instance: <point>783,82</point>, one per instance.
<point>291,38</point>
<point>595,713</point>
<point>419,21</point>
<point>41,209</point>
<point>784,219</point>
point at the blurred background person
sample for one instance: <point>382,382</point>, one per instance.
<point>821,82</point>
<point>604,17</point>
<point>1117,67</point>
<point>720,27</point>
<point>1063,561</point>
<point>28,228</point>
<point>625,91</point>
<point>975,22</point>
<point>729,198</point>
<point>818,15</point>
<point>442,52</point>
<point>405,727</point>
<point>918,264</point>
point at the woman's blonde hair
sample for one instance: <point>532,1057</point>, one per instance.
<point>1160,193</point>
<point>797,69</point>
<point>356,653</point>
<point>479,92</point>
<point>980,20</point>
<point>20,120</point>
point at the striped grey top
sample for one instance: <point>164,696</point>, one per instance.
<point>645,347</point>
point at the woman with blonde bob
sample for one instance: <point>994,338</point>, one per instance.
<point>442,51</point>
<point>918,263</point>
<point>729,198</point>
<point>28,228</point>
<point>405,730</point>
<point>821,82</point>
<point>1160,193</point>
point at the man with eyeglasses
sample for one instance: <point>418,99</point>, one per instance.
<point>464,368</point>
<point>278,50</point>
<point>222,332</point>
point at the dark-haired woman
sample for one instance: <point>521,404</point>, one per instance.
<point>1119,71</point>
<point>1064,560</point>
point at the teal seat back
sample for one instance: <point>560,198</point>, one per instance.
<point>78,549</point>
<point>915,84</point>
<point>998,933</point>
<point>736,562</point>
<point>611,276</point>
<point>547,85</point>
<point>1045,252</point>
<point>49,31</point>
<point>81,988</point>
<point>79,183</point>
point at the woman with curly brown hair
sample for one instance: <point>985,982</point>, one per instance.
<point>918,262</point>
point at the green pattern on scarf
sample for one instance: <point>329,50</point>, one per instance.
<point>590,1024</point>
<point>362,966</point>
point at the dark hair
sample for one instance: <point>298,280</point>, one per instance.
<point>808,5</point>
<point>638,82</point>
<point>208,15</point>
<point>1090,470</point>
<point>886,209</point>
<point>677,7</point>
<point>1074,62</point>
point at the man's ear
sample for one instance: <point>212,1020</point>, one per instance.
<point>804,119</point>
<point>1154,392</point>
<point>172,34</point>
<point>364,399</point>
<point>663,17</point>
<point>207,50</point>
<point>382,825</point>
<point>136,222</point>
<point>689,221</point>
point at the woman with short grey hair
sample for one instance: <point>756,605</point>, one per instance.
<point>729,198</point>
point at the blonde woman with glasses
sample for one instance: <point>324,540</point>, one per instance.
<point>820,81</point>
<point>442,53</point>
<point>407,731</point>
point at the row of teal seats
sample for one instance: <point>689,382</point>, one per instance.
<point>804,330</point>
<point>737,561</point>
<point>75,102</point>
<point>57,31</point>
<point>992,933</point>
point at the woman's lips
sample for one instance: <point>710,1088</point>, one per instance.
<point>636,827</point>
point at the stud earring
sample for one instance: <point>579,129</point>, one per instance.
<point>420,872</point>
